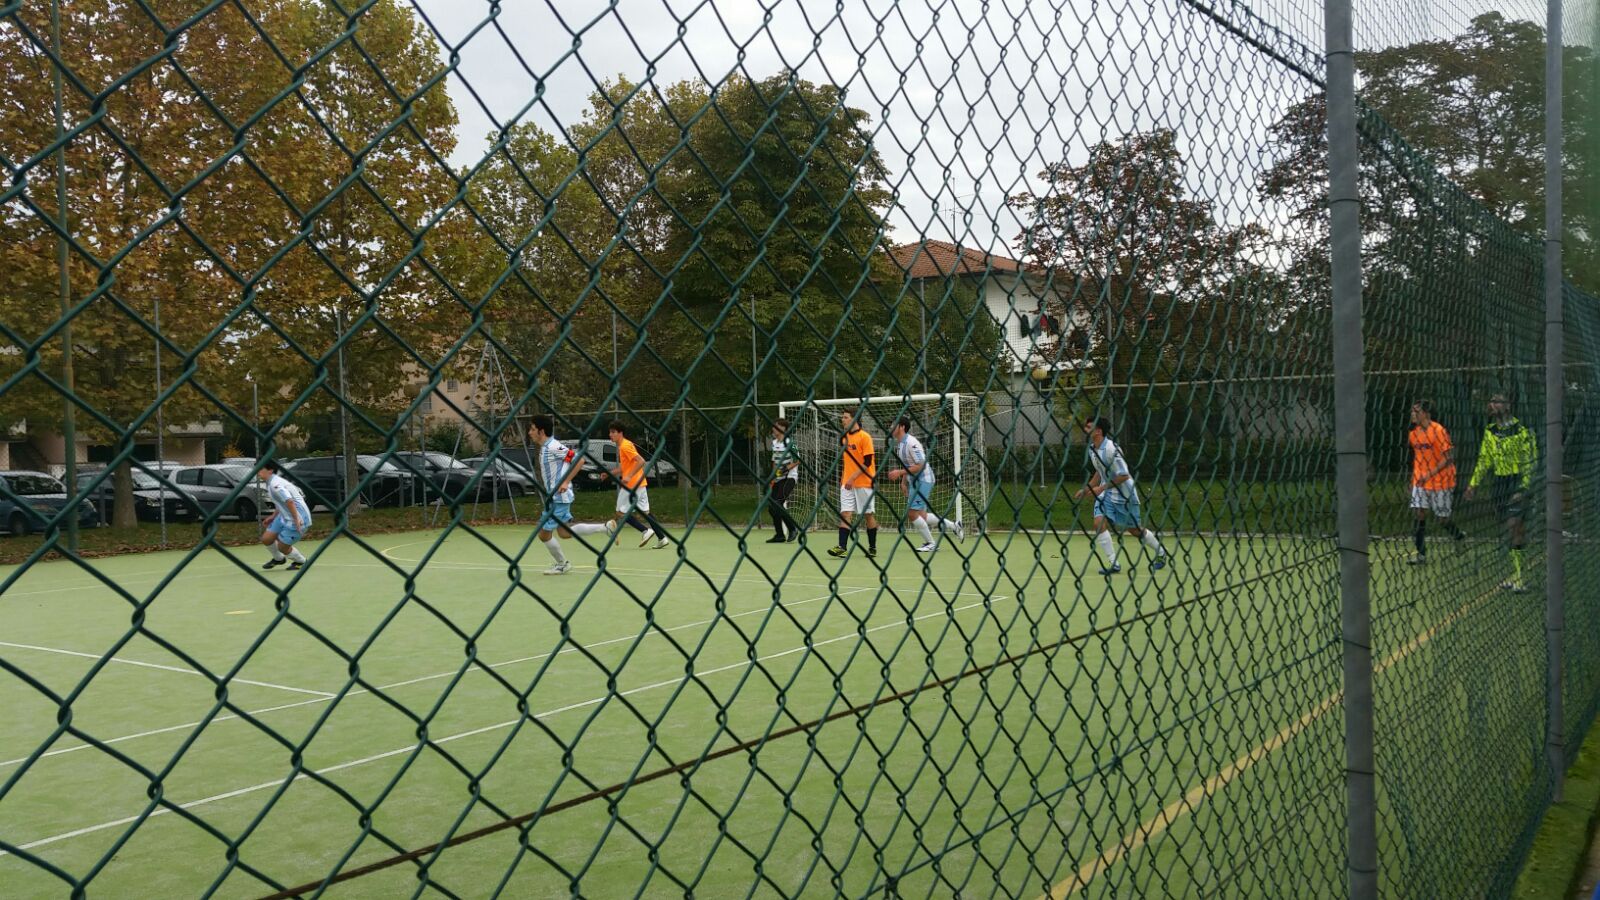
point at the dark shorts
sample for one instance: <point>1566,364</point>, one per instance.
<point>781,490</point>
<point>1510,498</point>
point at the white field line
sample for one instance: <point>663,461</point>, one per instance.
<point>325,698</point>
<point>150,665</point>
<point>671,682</point>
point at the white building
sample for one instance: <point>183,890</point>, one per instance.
<point>1015,296</point>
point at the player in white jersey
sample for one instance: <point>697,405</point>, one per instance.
<point>291,521</point>
<point>558,465</point>
<point>1116,504</point>
<point>918,477</point>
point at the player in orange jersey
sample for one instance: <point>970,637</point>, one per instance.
<point>1433,476</point>
<point>633,489</point>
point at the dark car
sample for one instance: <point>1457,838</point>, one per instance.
<point>149,496</point>
<point>519,481</point>
<point>211,488</point>
<point>448,477</point>
<point>322,479</point>
<point>39,498</point>
<point>525,460</point>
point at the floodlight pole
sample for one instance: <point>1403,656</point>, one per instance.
<point>1350,447</point>
<point>1554,385</point>
<point>69,423</point>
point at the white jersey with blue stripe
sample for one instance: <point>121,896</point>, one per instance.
<point>286,494</point>
<point>911,453</point>
<point>1109,463</point>
<point>555,461</point>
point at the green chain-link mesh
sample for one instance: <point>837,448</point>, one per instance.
<point>377,238</point>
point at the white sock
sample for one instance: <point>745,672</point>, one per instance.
<point>934,521</point>
<point>1154,545</point>
<point>922,529</point>
<point>296,555</point>
<point>1108,547</point>
<point>273,549</point>
<point>587,528</point>
<point>554,546</point>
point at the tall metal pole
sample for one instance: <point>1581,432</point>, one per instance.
<point>161,454</point>
<point>255,414</point>
<point>1554,384</point>
<point>346,451</point>
<point>69,421</point>
<point>1350,446</point>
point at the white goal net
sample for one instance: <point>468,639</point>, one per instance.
<point>950,427</point>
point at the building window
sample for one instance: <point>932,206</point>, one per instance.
<point>451,385</point>
<point>427,404</point>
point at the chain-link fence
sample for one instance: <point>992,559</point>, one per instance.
<point>1206,538</point>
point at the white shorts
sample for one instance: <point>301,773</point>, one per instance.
<point>1436,502</point>
<point>638,498</point>
<point>858,500</point>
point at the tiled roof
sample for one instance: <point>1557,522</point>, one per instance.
<point>934,259</point>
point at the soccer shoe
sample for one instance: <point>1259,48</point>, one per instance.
<point>836,551</point>
<point>961,533</point>
<point>645,538</point>
<point>871,552</point>
<point>1111,570</point>
<point>1514,586</point>
<point>662,544</point>
<point>559,568</point>
<point>1158,563</point>
<point>295,566</point>
<point>273,563</point>
<point>1417,559</point>
<point>776,539</point>
<point>926,548</point>
<point>793,536</point>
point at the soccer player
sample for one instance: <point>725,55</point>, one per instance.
<point>1507,457</point>
<point>780,486</point>
<point>633,489</point>
<point>1433,477</point>
<point>289,524</point>
<point>919,485</point>
<point>856,497</point>
<point>1116,503</point>
<point>558,465</point>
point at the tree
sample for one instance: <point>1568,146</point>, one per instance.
<point>249,247</point>
<point>1473,104</point>
<point>1152,267</point>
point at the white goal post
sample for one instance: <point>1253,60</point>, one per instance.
<point>950,427</point>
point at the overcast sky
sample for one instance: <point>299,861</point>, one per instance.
<point>969,103</point>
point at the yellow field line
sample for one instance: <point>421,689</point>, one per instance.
<point>1159,823</point>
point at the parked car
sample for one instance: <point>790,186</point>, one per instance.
<point>211,487</point>
<point>236,470</point>
<point>148,497</point>
<point>603,457</point>
<point>520,481</point>
<point>322,478</point>
<point>448,477</point>
<point>41,497</point>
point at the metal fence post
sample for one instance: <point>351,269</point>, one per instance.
<point>1554,383</point>
<point>1349,417</point>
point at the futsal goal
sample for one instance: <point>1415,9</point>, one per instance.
<point>950,427</point>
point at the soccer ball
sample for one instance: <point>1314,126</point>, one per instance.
<point>1042,373</point>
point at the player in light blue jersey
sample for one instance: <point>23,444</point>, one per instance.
<point>289,524</point>
<point>558,465</point>
<point>917,475</point>
<point>1116,504</point>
